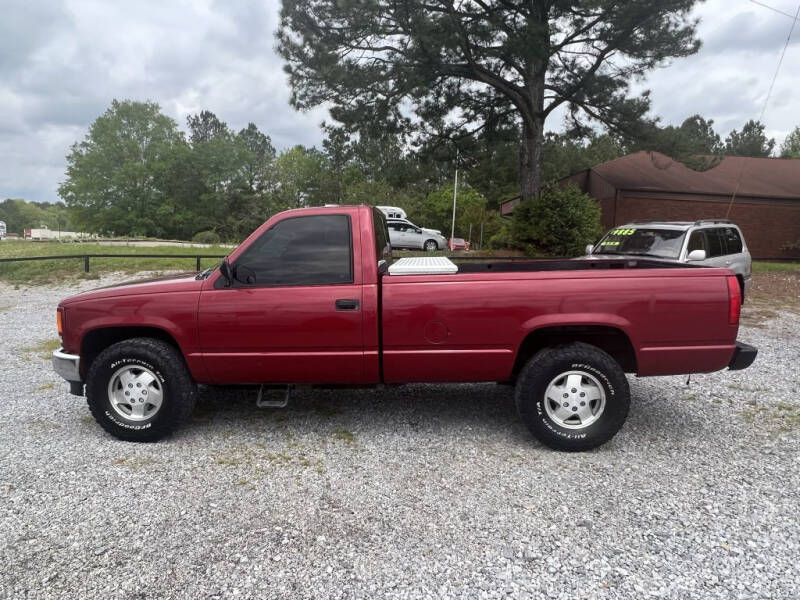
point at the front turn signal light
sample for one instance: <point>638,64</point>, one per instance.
<point>60,321</point>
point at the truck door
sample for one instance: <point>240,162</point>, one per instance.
<point>293,312</point>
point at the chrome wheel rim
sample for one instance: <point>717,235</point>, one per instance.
<point>574,400</point>
<point>135,393</point>
<point>430,246</point>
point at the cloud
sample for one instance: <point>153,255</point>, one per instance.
<point>63,61</point>
<point>729,78</point>
<point>61,64</point>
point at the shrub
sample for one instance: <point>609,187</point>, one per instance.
<point>560,221</point>
<point>206,237</point>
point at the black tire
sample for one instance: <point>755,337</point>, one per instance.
<point>545,367</point>
<point>430,245</point>
<point>179,392</point>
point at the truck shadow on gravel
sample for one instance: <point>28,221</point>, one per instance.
<point>484,411</point>
<point>485,408</point>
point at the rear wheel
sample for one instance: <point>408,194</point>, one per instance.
<point>573,397</point>
<point>431,245</point>
<point>140,390</point>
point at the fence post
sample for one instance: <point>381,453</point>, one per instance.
<point>198,261</point>
<point>86,263</point>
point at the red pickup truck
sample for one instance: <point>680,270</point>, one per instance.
<point>308,299</point>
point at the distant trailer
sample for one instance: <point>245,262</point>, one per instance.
<point>3,230</point>
<point>44,233</point>
<point>393,212</point>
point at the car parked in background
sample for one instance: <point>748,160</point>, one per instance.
<point>458,244</point>
<point>404,234</point>
<point>712,243</point>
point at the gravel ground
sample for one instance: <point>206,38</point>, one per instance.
<point>414,492</point>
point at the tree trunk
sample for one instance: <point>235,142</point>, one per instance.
<point>530,158</point>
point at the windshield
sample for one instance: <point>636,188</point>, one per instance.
<point>661,243</point>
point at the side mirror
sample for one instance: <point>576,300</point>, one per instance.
<point>244,274</point>
<point>419,230</point>
<point>696,255</point>
<point>589,248</point>
<point>225,270</point>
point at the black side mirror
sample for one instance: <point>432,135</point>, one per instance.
<point>225,270</point>
<point>244,274</point>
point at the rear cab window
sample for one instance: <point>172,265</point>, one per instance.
<point>383,248</point>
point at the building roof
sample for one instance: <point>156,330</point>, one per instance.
<point>652,171</point>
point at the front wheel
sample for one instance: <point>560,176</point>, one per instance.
<point>431,245</point>
<point>139,390</point>
<point>573,397</point>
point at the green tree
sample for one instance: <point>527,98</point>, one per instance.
<point>436,212</point>
<point>560,221</point>
<point>457,67</point>
<point>259,159</point>
<point>565,155</point>
<point>303,178</point>
<point>791,145</point>
<point>111,180</point>
<point>750,141</point>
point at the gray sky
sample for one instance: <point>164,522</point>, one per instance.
<point>63,61</point>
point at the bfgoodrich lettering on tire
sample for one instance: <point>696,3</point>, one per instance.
<point>573,397</point>
<point>139,390</point>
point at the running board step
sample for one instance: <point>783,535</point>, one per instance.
<point>262,402</point>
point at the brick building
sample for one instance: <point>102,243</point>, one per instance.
<point>649,185</point>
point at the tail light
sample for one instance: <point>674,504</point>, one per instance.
<point>60,321</point>
<point>734,300</point>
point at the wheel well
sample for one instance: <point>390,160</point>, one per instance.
<point>609,339</point>
<point>97,340</point>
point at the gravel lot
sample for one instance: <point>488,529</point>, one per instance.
<point>415,492</point>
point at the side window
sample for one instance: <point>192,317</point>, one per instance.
<point>313,250</point>
<point>716,245</point>
<point>733,240</point>
<point>697,241</point>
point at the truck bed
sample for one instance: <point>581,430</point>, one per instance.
<point>469,326</point>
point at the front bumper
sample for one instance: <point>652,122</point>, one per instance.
<point>743,356</point>
<point>68,366</point>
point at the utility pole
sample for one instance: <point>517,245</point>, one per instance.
<point>455,195</point>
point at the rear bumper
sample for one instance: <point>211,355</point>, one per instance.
<point>743,356</point>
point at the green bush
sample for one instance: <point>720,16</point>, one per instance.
<point>206,237</point>
<point>560,221</point>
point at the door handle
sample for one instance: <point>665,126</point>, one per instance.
<point>346,304</point>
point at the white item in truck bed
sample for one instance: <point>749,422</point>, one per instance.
<point>423,265</point>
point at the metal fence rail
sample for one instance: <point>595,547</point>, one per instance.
<point>87,257</point>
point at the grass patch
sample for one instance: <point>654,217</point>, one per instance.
<point>346,436</point>
<point>762,266</point>
<point>781,417</point>
<point>45,349</point>
<point>42,272</point>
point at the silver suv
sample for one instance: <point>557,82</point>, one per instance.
<point>714,243</point>
<point>404,234</point>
